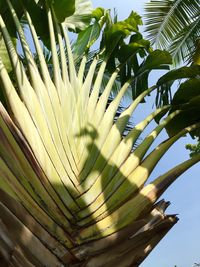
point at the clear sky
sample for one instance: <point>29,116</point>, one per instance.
<point>181,246</point>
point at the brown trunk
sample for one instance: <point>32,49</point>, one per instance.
<point>25,243</point>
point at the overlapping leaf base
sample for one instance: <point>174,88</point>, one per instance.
<point>72,190</point>
<point>24,242</point>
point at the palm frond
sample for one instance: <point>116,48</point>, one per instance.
<point>173,25</point>
<point>185,43</point>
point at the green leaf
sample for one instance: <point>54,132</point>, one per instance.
<point>98,13</point>
<point>187,98</point>
<point>134,19</point>
<point>81,18</point>
<point>166,81</point>
<point>120,30</point>
<point>156,59</point>
<point>186,118</point>
<point>63,8</point>
<point>184,72</point>
<point>187,93</point>
<point>194,148</point>
<point>88,36</point>
<point>128,50</point>
<point>128,54</point>
<point>86,39</point>
<point>174,26</point>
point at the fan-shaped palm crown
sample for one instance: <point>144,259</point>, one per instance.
<point>72,191</point>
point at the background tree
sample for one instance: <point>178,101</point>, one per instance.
<point>174,25</point>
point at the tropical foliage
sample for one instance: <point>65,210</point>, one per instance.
<point>174,25</point>
<point>194,149</point>
<point>74,190</point>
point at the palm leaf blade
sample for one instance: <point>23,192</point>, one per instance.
<point>174,26</point>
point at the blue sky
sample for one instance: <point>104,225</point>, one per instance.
<point>181,246</point>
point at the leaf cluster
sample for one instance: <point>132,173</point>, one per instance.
<point>121,46</point>
<point>124,47</point>
<point>186,97</point>
<point>174,25</point>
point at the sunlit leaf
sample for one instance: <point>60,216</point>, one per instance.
<point>80,19</point>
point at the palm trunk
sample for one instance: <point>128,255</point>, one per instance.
<point>24,242</point>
